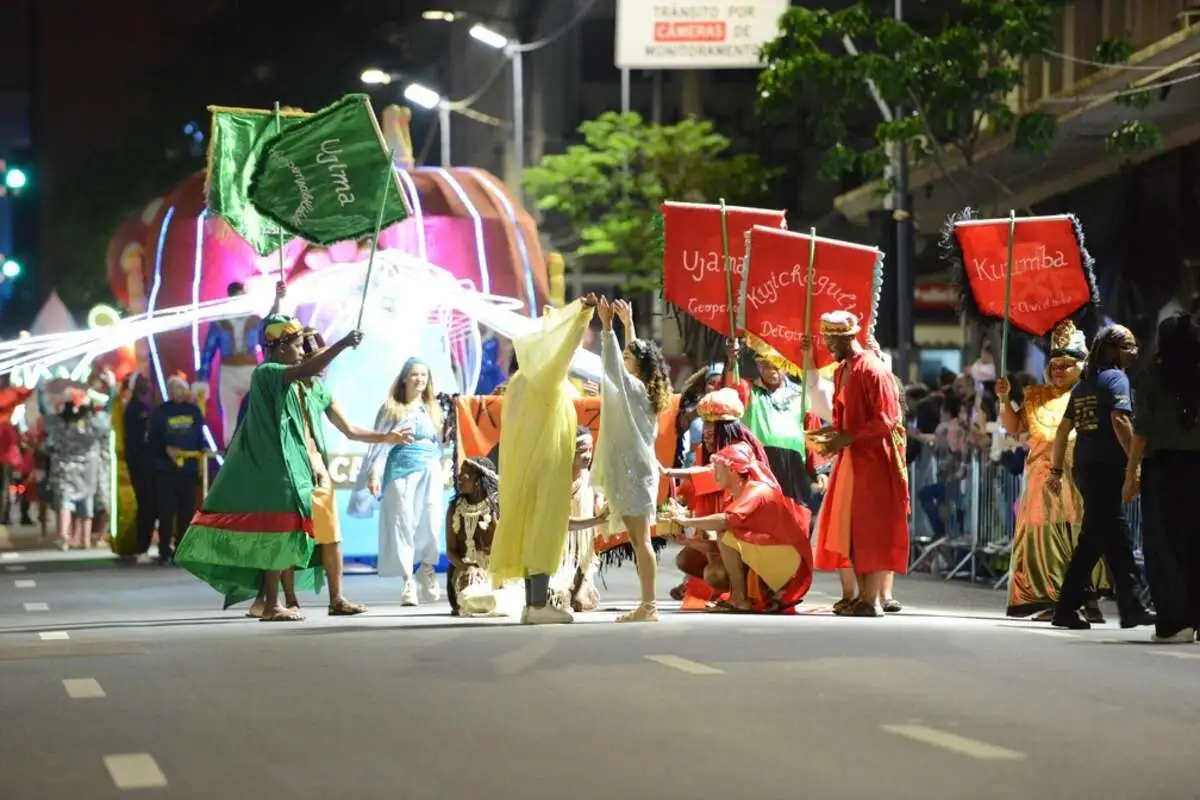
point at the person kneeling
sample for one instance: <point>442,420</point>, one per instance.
<point>760,531</point>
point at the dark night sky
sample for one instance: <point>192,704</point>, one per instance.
<point>113,82</point>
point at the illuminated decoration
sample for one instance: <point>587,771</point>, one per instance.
<point>102,316</point>
<point>414,201</point>
<point>11,268</point>
<point>511,212</point>
<point>153,299</point>
<point>197,272</point>
<point>485,283</point>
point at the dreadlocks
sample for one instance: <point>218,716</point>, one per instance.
<point>1106,350</point>
<point>489,482</point>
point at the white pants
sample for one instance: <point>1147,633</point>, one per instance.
<point>410,514</point>
<point>235,384</point>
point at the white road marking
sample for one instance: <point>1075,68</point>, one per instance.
<point>1173,654</point>
<point>135,771</point>
<point>523,657</point>
<point>36,607</point>
<point>683,665</point>
<point>15,568</point>
<point>82,688</point>
<point>25,584</point>
<point>953,742</point>
<point>53,636</point>
<point>9,556</point>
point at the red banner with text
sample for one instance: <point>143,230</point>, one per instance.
<point>845,278</point>
<point>693,266</point>
<point>1049,282</point>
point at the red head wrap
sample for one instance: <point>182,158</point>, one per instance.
<point>739,458</point>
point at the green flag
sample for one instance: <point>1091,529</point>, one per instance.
<point>235,148</point>
<point>322,178</point>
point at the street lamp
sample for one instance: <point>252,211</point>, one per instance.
<point>11,269</point>
<point>427,98</point>
<point>439,16</point>
<point>515,52</point>
<point>375,77</point>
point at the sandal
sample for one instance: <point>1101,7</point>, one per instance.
<point>645,612</point>
<point>892,606</point>
<point>344,608</point>
<point>845,604</point>
<point>256,610</point>
<point>864,610</point>
<point>282,615</point>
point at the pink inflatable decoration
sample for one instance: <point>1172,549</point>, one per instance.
<point>174,253</point>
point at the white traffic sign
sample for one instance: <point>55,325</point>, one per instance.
<point>692,34</point>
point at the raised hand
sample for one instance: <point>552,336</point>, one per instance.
<point>589,300</point>
<point>353,339</point>
<point>604,310</point>
<point>624,313</point>
<point>1003,388</point>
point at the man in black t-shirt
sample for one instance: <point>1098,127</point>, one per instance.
<point>1100,412</point>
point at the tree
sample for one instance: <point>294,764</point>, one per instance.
<point>955,83</point>
<point>610,188</point>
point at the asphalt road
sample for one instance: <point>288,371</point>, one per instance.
<point>113,678</point>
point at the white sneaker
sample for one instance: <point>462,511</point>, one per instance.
<point>546,615</point>
<point>427,585</point>
<point>1185,636</point>
<point>408,597</point>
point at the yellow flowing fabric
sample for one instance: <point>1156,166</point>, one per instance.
<point>537,449</point>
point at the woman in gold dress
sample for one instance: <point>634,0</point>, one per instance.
<point>1047,523</point>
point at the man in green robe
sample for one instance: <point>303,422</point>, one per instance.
<point>257,521</point>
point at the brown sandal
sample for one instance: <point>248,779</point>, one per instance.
<point>282,615</point>
<point>344,608</point>
<point>845,606</point>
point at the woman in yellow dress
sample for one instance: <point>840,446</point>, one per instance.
<point>1047,523</point>
<point>537,449</point>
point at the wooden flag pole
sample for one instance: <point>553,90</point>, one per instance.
<point>1008,276</point>
<point>808,290</point>
<point>728,282</point>
<point>278,227</point>
<point>383,195</point>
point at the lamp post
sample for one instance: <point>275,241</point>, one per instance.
<point>514,52</point>
<point>427,98</point>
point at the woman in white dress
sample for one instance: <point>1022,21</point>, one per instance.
<point>408,480</point>
<point>636,390</point>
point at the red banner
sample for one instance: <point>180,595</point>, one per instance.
<point>693,267</point>
<point>844,279</point>
<point>1048,279</point>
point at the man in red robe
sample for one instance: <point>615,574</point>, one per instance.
<point>871,537</point>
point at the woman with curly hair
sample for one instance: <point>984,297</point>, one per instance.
<point>635,391</point>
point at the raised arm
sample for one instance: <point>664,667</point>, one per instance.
<point>318,363</point>
<point>357,434</point>
<point>212,343</point>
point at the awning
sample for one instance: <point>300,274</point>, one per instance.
<point>1086,115</point>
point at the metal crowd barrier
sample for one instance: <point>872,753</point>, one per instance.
<point>978,513</point>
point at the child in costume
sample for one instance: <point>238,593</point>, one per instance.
<point>271,505</point>
<point>636,390</point>
<point>470,529</point>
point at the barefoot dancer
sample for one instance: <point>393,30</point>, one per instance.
<point>588,510</point>
<point>864,519</point>
<point>633,395</point>
<point>272,502</point>
<point>762,535</point>
<point>537,447</point>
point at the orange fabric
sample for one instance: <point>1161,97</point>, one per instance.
<point>833,523</point>
<point>479,433</point>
